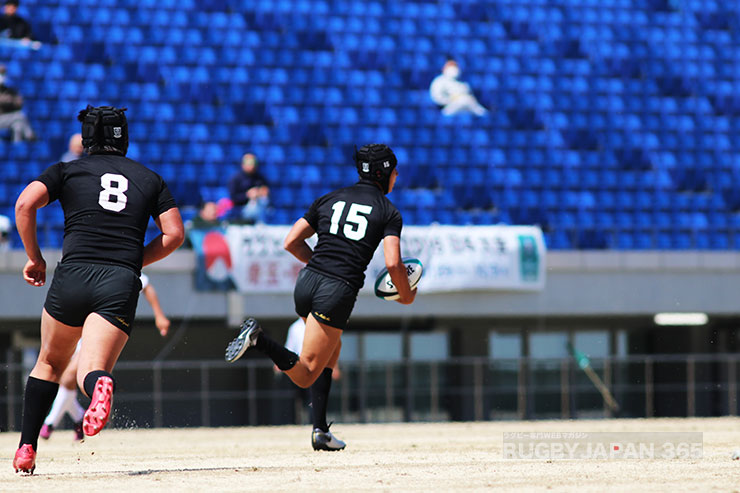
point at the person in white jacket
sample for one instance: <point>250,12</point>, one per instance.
<point>452,95</point>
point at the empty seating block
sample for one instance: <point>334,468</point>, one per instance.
<point>612,124</point>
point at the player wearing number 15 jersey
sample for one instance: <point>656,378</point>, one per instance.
<point>107,201</point>
<point>350,224</point>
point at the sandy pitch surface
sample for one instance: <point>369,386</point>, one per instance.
<point>385,457</point>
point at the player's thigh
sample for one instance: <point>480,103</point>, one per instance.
<point>319,344</point>
<point>58,342</point>
<point>334,358</point>
<point>102,343</point>
<point>69,377</point>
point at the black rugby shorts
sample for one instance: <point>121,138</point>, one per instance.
<point>330,300</point>
<point>79,289</point>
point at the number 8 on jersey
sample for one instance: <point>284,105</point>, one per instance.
<point>113,186</point>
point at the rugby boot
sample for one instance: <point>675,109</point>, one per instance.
<point>45,432</point>
<point>247,338</point>
<point>25,459</point>
<point>325,440</point>
<point>99,410</point>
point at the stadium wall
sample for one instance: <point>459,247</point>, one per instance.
<point>655,371</point>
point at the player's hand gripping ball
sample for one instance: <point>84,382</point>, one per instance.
<point>384,287</point>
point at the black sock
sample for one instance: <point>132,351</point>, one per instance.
<point>320,399</point>
<point>92,377</point>
<point>284,358</point>
<point>37,401</point>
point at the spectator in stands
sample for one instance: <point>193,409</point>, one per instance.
<point>207,217</point>
<point>5,227</point>
<point>250,190</point>
<point>11,115</point>
<point>74,149</point>
<point>12,25</point>
<point>452,95</point>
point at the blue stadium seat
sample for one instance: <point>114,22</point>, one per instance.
<point>594,125</point>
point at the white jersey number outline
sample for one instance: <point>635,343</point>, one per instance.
<point>113,185</point>
<point>355,225</point>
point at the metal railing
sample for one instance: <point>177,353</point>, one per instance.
<point>249,392</point>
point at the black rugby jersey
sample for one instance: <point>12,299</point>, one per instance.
<point>350,223</point>
<point>107,201</point>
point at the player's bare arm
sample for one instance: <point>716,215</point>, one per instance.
<point>33,197</point>
<point>295,241</point>
<point>396,269</point>
<point>160,319</point>
<point>172,236</point>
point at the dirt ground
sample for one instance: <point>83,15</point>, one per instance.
<point>387,457</point>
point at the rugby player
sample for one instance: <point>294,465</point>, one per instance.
<point>350,224</point>
<point>107,200</point>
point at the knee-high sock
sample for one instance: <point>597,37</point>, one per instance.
<point>63,404</point>
<point>92,378</point>
<point>320,399</point>
<point>284,358</point>
<point>37,400</point>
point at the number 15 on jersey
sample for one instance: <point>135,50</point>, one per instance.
<point>355,224</point>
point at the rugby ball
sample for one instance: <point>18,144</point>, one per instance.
<point>384,287</point>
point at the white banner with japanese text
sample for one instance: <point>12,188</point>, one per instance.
<point>455,258</point>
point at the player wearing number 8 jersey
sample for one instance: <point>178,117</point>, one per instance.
<point>350,224</point>
<point>107,201</point>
